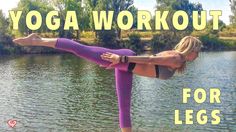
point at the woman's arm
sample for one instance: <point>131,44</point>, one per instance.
<point>167,60</point>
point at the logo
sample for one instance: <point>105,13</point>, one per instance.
<point>11,123</point>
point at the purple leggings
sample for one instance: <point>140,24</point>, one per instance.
<point>123,77</point>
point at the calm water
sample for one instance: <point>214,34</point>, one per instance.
<point>64,93</point>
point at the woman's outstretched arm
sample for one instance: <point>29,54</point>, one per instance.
<point>167,60</point>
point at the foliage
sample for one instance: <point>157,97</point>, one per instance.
<point>107,38</point>
<point>116,6</point>
<point>134,42</point>
<point>3,23</point>
<point>228,31</point>
<point>157,43</point>
<point>209,28</point>
<point>26,6</point>
<point>166,40</point>
<point>233,9</point>
<point>5,39</point>
<point>230,44</point>
<point>212,42</point>
<point>174,5</point>
<point>161,40</point>
<point>143,34</point>
<point>134,11</point>
<point>70,5</point>
<point>91,5</point>
<point>44,6</point>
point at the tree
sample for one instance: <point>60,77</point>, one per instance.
<point>5,39</point>
<point>90,6</point>
<point>233,9</point>
<point>74,5</point>
<point>175,5</point>
<point>209,28</point>
<point>82,16</point>
<point>118,6</point>
<point>26,6</point>
<point>3,24</point>
<point>163,40</point>
<point>114,5</point>
<point>134,11</point>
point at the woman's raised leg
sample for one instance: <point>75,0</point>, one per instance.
<point>92,53</point>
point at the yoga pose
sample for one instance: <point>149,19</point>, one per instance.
<point>126,63</point>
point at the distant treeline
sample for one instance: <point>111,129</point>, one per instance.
<point>115,38</point>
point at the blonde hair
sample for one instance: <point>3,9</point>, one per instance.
<point>187,45</point>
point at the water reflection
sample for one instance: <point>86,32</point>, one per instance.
<point>66,93</point>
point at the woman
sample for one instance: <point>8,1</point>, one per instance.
<point>162,65</point>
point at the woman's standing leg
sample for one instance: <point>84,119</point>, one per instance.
<point>123,91</point>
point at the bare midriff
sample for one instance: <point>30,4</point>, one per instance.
<point>145,70</point>
<point>149,70</point>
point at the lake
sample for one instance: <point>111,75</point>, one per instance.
<point>66,93</point>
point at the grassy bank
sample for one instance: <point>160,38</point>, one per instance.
<point>136,40</point>
<point>146,38</point>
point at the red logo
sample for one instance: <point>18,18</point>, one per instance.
<point>11,123</point>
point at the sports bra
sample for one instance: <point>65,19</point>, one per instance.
<point>162,72</point>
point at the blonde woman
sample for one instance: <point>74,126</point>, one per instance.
<point>125,62</point>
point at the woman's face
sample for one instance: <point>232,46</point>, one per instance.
<point>192,56</point>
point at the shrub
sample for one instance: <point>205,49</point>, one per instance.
<point>229,31</point>
<point>230,44</point>
<point>3,50</point>
<point>156,43</point>
<point>107,38</point>
<point>211,42</point>
<point>134,42</point>
<point>166,40</point>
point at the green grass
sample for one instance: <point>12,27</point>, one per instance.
<point>228,38</point>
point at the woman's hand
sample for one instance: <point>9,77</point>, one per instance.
<point>111,57</point>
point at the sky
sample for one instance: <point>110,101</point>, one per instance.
<point>206,4</point>
<point>150,6</point>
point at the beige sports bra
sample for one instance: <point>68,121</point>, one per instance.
<point>164,72</point>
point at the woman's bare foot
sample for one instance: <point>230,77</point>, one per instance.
<point>27,41</point>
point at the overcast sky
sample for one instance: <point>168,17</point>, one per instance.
<point>150,6</point>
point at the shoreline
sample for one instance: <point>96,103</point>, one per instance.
<point>146,43</point>
<point>62,53</point>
